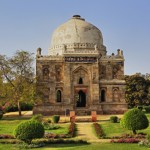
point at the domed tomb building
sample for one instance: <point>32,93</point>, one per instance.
<point>77,74</point>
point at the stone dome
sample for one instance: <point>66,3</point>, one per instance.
<point>75,31</point>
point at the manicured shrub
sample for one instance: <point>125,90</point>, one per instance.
<point>49,120</point>
<point>29,130</point>
<point>55,118</point>
<point>1,114</point>
<point>147,109</point>
<point>134,119</point>
<point>140,107</point>
<point>37,117</point>
<point>114,119</point>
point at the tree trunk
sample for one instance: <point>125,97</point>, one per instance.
<point>19,108</point>
<point>134,131</point>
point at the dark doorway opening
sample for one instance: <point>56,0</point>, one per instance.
<point>80,81</point>
<point>103,96</point>
<point>81,101</point>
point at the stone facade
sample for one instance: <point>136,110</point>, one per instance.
<point>78,75</point>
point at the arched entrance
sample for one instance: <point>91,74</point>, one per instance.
<point>81,101</point>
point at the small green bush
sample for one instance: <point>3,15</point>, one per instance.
<point>1,115</point>
<point>29,130</point>
<point>147,109</point>
<point>49,120</point>
<point>37,117</point>
<point>140,107</point>
<point>55,118</point>
<point>114,119</point>
<point>134,119</point>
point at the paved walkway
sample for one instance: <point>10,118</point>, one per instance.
<point>85,132</point>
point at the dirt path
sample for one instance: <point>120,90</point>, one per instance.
<point>85,132</point>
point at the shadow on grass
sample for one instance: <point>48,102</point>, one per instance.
<point>65,145</point>
<point>15,118</point>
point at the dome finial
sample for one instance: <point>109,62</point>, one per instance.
<point>76,16</point>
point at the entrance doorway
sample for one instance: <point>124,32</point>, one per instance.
<point>81,101</point>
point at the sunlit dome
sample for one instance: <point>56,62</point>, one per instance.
<point>75,31</point>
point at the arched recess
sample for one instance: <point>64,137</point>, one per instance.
<point>45,73</point>
<point>116,95</point>
<point>80,76</point>
<point>80,80</point>
<point>58,96</point>
<point>103,95</point>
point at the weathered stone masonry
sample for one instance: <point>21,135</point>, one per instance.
<point>78,74</point>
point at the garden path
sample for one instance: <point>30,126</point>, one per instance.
<point>85,132</point>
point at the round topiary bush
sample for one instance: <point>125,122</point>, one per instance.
<point>134,119</point>
<point>114,119</point>
<point>29,130</point>
<point>1,115</point>
<point>56,118</point>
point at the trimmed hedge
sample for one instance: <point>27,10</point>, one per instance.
<point>37,117</point>
<point>134,119</point>
<point>29,130</point>
<point>55,118</point>
<point>1,115</point>
<point>114,119</point>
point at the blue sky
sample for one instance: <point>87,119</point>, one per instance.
<point>125,24</point>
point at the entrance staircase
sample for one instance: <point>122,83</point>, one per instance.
<point>82,112</point>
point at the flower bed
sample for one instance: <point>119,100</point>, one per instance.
<point>99,131</point>
<point>127,140</point>
<point>137,136</point>
<point>6,136</point>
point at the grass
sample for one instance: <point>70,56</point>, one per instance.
<point>8,126</point>
<point>93,146</point>
<point>113,129</point>
<point>62,130</point>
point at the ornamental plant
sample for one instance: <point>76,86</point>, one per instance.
<point>56,118</point>
<point>1,115</point>
<point>114,119</point>
<point>29,130</point>
<point>134,119</point>
<point>37,117</point>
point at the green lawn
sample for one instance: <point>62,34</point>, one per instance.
<point>94,146</point>
<point>62,130</point>
<point>113,129</point>
<point>7,126</point>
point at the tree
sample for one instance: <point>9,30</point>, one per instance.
<point>134,119</point>
<point>18,72</point>
<point>137,90</point>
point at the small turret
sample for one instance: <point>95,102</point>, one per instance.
<point>120,52</point>
<point>38,51</point>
